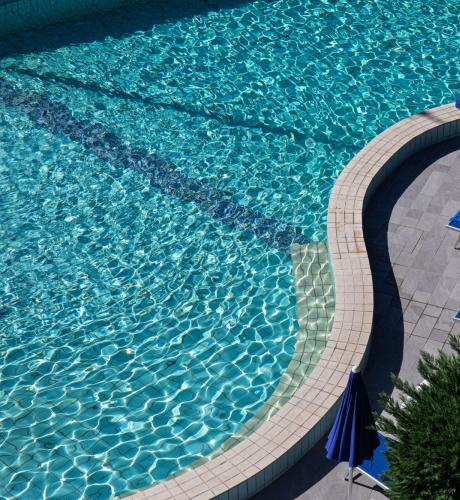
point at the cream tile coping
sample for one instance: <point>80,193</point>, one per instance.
<point>281,441</point>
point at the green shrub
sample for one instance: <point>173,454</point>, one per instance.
<point>424,441</point>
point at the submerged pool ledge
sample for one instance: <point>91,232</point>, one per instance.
<point>282,440</point>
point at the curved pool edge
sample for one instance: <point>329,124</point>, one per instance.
<point>282,440</point>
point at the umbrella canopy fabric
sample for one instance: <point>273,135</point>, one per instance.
<point>350,438</point>
<point>454,221</point>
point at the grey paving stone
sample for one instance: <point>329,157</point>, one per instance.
<point>428,221</point>
<point>427,280</point>
<point>453,267</point>
<point>404,259</point>
<point>456,328</point>
<point>439,335</point>
<point>455,296</point>
<point>426,257</point>
<point>442,292</point>
<point>450,207</point>
<point>424,326</point>
<point>416,214</point>
<point>433,347</point>
<point>433,311</point>
<point>407,236</point>
<point>395,250</point>
<point>421,202</point>
<point>400,271</point>
<point>434,207</point>
<point>421,296</point>
<point>445,321</point>
<point>408,287</point>
<point>412,348</point>
<point>439,297</point>
<point>413,311</point>
<point>434,183</point>
<point>408,327</point>
<point>453,303</point>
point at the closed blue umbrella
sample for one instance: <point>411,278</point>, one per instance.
<point>350,439</point>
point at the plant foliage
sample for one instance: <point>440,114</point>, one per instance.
<point>424,431</point>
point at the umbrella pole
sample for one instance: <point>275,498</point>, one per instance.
<point>350,482</point>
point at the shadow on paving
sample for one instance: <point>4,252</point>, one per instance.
<point>137,16</point>
<point>388,326</point>
<point>314,472</point>
<point>306,480</point>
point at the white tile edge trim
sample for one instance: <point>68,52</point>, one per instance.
<point>280,442</point>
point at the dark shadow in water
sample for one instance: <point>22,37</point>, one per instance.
<point>161,173</point>
<point>194,110</point>
<point>138,16</point>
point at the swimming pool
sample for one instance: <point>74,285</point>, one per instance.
<point>157,166</point>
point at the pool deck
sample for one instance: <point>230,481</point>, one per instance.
<point>416,274</point>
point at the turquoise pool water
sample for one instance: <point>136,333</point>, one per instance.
<point>155,167</point>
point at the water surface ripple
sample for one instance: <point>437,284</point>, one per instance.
<point>147,313</point>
